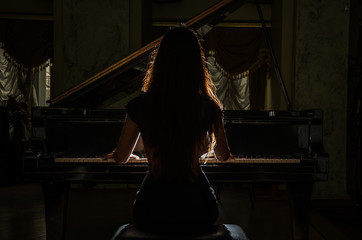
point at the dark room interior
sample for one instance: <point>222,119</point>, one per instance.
<point>287,73</point>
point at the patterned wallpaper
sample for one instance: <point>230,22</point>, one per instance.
<point>321,58</point>
<point>96,35</point>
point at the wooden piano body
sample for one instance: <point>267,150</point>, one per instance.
<point>268,146</point>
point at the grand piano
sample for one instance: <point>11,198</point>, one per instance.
<point>73,135</point>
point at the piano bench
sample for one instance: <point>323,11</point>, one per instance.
<point>216,232</point>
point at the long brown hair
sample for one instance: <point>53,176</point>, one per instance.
<point>173,84</point>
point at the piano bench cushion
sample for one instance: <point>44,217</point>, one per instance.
<point>216,232</point>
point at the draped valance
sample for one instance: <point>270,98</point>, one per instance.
<point>237,50</point>
<point>239,53</point>
<point>27,44</point>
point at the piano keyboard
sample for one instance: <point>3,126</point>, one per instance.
<point>257,160</point>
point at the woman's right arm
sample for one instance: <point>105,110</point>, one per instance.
<point>222,151</point>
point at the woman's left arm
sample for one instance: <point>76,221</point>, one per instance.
<point>222,151</point>
<point>127,142</point>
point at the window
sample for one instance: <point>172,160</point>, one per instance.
<point>43,87</point>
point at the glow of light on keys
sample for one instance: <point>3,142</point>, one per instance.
<point>207,156</point>
<point>205,160</point>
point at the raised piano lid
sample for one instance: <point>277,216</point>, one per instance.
<point>123,74</point>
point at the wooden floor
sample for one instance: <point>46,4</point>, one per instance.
<point>96,214</point>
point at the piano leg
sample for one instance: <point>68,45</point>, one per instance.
<point>300,194</point>
<point>55,201</point>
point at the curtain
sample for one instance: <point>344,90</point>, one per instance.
<point>17,93</point>
<point>239,61</point>
<point>233,93</point>
<point>26,46</point>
